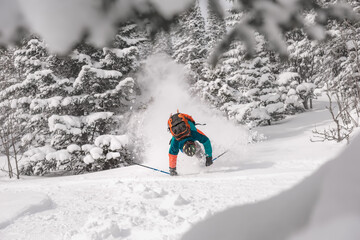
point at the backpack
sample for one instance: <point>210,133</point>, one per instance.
<point>179,125</point>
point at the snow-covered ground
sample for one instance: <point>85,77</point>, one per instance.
<point>138,203</point>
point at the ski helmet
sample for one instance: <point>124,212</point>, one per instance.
<point>189,148</point>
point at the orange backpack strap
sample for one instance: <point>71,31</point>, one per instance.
<point>188,117</point>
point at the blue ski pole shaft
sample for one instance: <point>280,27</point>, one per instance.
<point>220,155</point>
<point>155,169</point>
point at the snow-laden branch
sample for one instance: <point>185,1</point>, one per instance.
<point>273,18</point>
<point>63,23</point>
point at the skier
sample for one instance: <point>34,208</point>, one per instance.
<point>184,132</point>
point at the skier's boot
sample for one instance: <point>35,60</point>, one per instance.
<point>173,172</point>
<point>209,161</point>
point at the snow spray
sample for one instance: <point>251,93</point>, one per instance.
<point>164,89</point>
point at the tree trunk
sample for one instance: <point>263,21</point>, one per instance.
<point>9,167</point>
<point>305,103</point>
<point>16,161</point>
<point>17,169</point>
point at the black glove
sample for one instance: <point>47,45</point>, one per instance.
<point>209,161</point>
<point>173,172</point>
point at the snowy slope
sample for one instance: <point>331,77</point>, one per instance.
<point>323,206</point>
<point>138,203</point>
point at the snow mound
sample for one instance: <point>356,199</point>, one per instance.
<point>176,200</point>
<point>154,193</point>
<point>100,228</point>
<point>16,204</point>
<point>180,201</point>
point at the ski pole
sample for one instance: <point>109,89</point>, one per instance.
<point>155,169</point>
<point>220,155</point>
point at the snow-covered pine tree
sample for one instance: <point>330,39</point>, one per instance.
<point>211,78</point>
<point>12,125</point>
<point>189,40</point>
<point>340,70</point>
<point>70,65</point>
<point>8,73</point>
<point>216,26</point>
<point>36,83</point>
<point>162,43</point>
<point>129,44</point>
<point>288,83</point>
<point>304,59</point>
<point>131,34</point>
<point>32,57</point>
<point>70,102</point>
<point>34,98</point>
<point>102,94</point>
<point>220,86</point>
<point>243,88</point>
<point>265,104</point>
